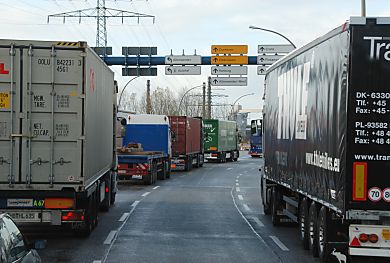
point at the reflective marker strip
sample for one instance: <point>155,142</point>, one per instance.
<point>359,182</point>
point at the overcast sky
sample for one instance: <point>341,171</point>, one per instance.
<point>187,25</point>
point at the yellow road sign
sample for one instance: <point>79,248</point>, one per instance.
<point>229,49</point>
<point>229,60</point>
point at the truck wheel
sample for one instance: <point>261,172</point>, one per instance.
<point>86,229</point>
<point>148,179</point>
<point>169,170</point>
<point>324,226</point>
<point>201,160</point>
<point>275,206</point>
<point>313,232</point>
<point>303,223</point>
<point>265,192</point>
<point>162,175</point>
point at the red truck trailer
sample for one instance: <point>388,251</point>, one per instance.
<point>187,143</point>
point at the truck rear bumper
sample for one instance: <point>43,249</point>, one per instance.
<point>369,252</point>
<point>50,217</point>
<point>178,164</point>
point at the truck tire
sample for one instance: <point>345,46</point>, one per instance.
<point>148,179</point>
<point>188,164</point>
<point>236,155</point>
<point>324,227</point>
<point>264,193</point>
<point>304,223</point>
<point>275,203</point>
<point>169,170</point>
<point>313,232</point>
<point>87,228</point>
<point>163,174</point>
<point>201,160</point>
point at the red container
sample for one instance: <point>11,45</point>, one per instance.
<point>188,135</point>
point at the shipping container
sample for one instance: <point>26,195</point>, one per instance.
<point>326,141</point>
<point>150,157</point>
<point>57,133</point>
<point>220,140</point>
<point>187,143</point>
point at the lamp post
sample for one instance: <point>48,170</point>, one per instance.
<point>185,93</point>
<point>120,96</point>
<point>268,30</point>
<point>245,95</point>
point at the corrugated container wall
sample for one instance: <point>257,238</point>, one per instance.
<point>187,132</point>
<point>220,135</point>
<point>56,120</point>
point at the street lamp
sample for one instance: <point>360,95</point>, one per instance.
<point>268,30</point>
<point>120,96</point>
<point>249,94</point>
<point>181,100</point>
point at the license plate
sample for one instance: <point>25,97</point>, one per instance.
<point>25,216</point>
<point>136,177</point>
<point>386,234</point>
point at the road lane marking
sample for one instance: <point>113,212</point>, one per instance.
<point>145,194</point>
<point>156,187</point>
<point>246,207</point>
<point>110,237</point>
<point>257,221</point>
<point>240,174</point>
<point>135,203</point>
<point>240,197</point>
<point>251,227</point>
<point>279,243</point>
<point>123,217</point>
<point>238,189</point>
<point>237,184</point>
<point>229,168</point>
<point>97,261</point>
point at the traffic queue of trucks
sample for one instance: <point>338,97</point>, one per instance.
<point>326,142</point>
<point>63,143</point>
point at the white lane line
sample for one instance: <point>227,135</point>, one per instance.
<point>145,194</point>
<point>110,237</point>
<point>123,217</point>
<point>258,222</point>
<point>135,203</point>
<point>156,187</point>
<point>246,207</point>
<point>229,168</point>
<point>97,261</point>
<point>237,184</point>
<point>238,189</point>
<point>279,243</point>
<point>240,197</point>
<point>240,174</point>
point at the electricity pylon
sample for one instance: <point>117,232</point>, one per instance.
<point>101,13</point>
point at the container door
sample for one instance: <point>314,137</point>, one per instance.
<point>10,116</point>
<point>52,104</point>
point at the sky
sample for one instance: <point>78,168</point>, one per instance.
<point>189,26</point>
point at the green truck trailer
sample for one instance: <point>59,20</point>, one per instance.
<point>220,140</point>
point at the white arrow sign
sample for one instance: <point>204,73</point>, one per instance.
<point>233,81</point>
<point>229,70</point>
<point>183,60</point>
<point>261,70</point>
<point>262,49</point>
<point>182,70</point>
<point>268,59</point>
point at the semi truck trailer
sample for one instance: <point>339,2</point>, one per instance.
<point>220,140</point>
<point>327,142</point>
<point>187,143</point>
<point>151,158</point>
<point>57,133</point>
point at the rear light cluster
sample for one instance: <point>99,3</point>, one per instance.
<point>72,216</point>
<point>373,238</point>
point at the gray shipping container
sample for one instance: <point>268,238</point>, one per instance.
<point>56,118</point>
<point>57,112</point>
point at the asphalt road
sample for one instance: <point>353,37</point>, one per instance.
<point>210,214</point>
